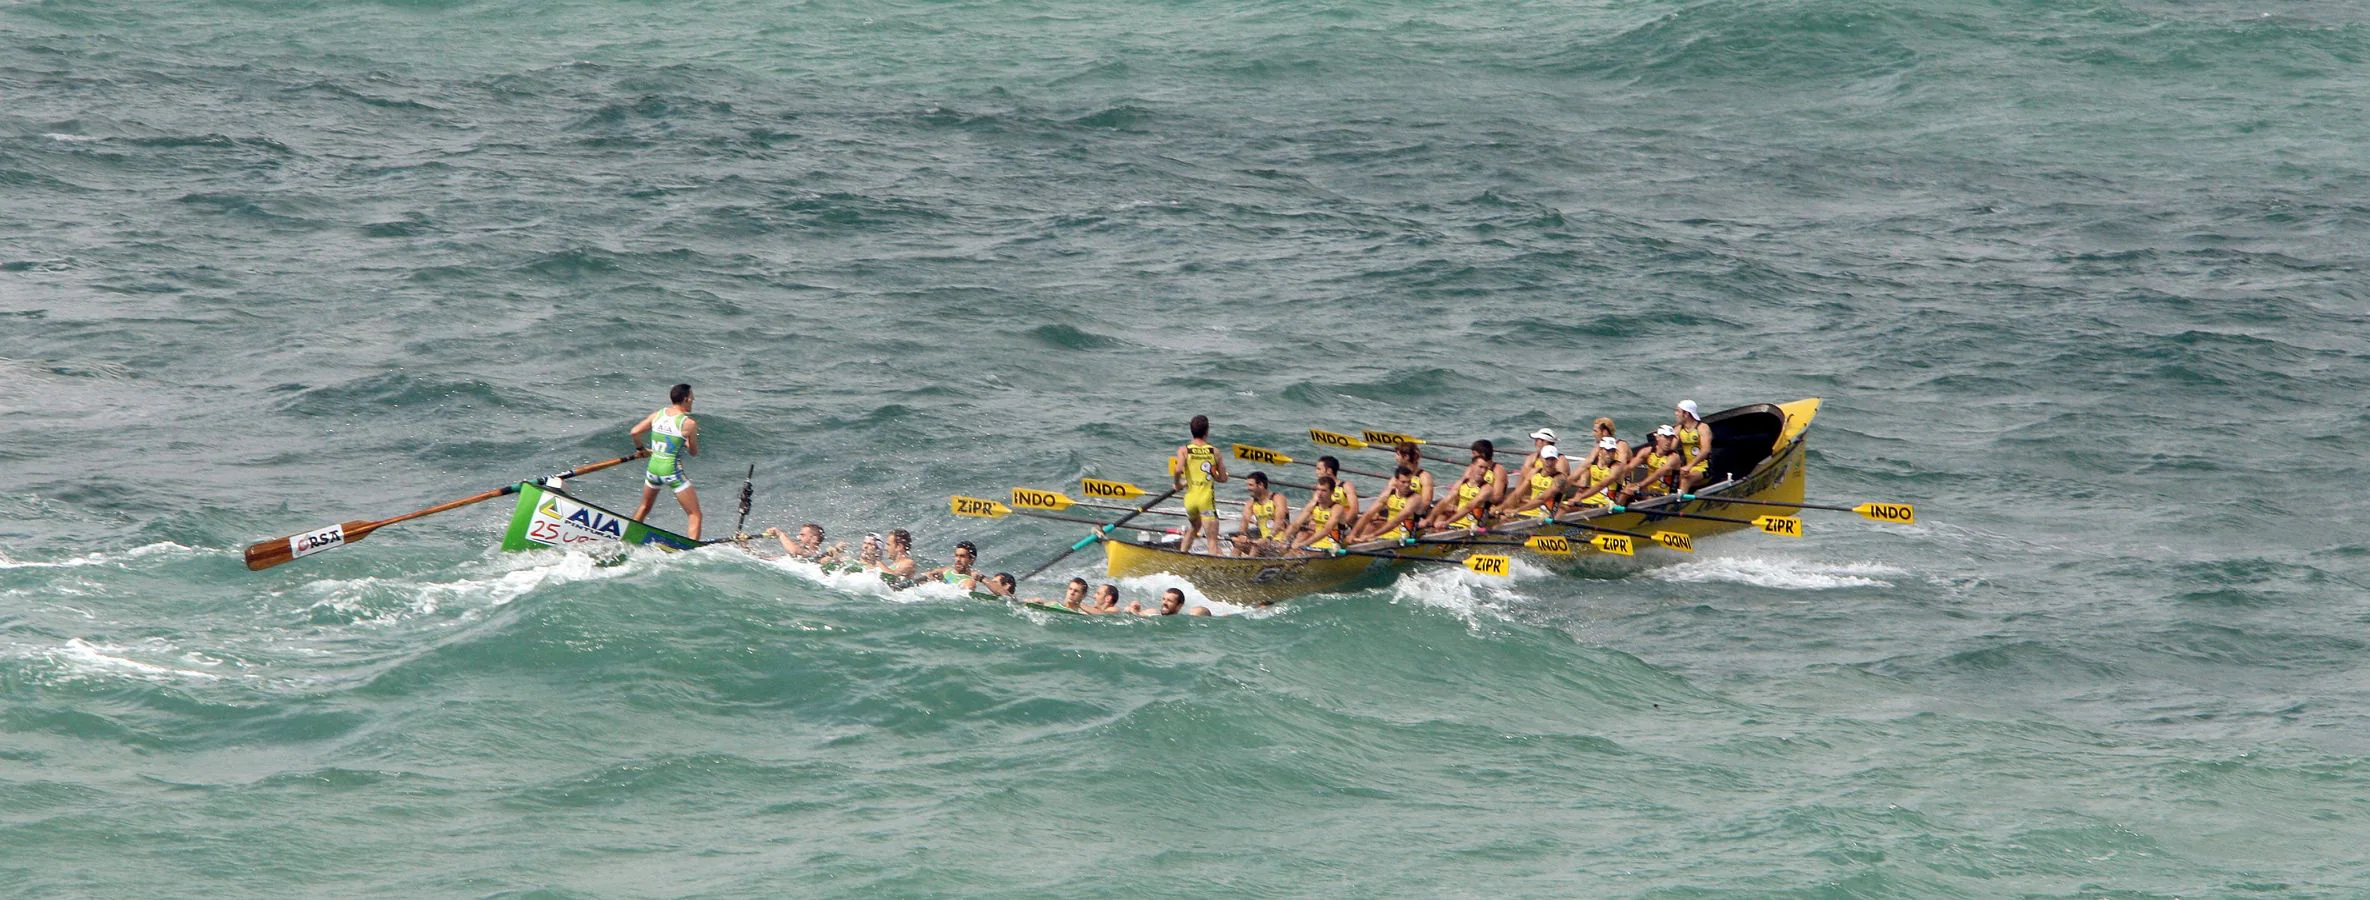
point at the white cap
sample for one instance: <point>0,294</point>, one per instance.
<point>1606,443</point>
<point>1688,407</point>
<point>1549,452</point>
<point>1667,431</point>
<point>1544,434</point>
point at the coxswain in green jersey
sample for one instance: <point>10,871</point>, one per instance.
<point>674,435</point>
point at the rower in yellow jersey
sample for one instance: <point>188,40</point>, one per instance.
<point>1345,494</point>
<point>1534,487</point>
<point>1411,458</point>
<point>1695,447</point>
<point>1319,524</point>
<point>1476,491</point>
<point>1392,513</point>
<point>1589,477</point>
<point>1658,463</point>
<point>1197,468</point>
<point>1265,517</point>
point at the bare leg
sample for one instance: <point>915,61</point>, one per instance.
<point>689,497</point>
<point>649,496</point>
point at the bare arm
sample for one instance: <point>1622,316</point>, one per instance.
<point>691,435</point>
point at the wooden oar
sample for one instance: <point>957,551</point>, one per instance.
<point>1270,457</point>
<point>273,552</point>
<point>1897,513</point>
<point>1782,526</point>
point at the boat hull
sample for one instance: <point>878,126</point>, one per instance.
<point>1777,477</point>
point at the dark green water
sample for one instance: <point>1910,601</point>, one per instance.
<point>2084,281</point>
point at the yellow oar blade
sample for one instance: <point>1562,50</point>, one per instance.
<point>1676,541</point>
<point>1335,439</point>
<point>1500,566</point>
<point>1616,544</point>
<point>1782,526</point>
<point>1031,498</point>
<point>1388,438</point>
<point>1898,513</point>
<point>1261,455</point>
<point>1109,490</point>
<point>978,508</point>
<point>1552,545</point>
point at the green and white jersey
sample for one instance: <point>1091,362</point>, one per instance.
<point>667,443</point>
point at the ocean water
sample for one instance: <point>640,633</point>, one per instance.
<point>2082,280</point>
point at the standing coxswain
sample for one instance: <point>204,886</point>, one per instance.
<point>1196,468</point>
<point>674,434</point>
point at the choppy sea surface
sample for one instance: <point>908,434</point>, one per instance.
<point>2083,280</point>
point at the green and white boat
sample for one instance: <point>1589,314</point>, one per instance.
<point>547,518</point>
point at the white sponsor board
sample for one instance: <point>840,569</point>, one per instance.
<point>560,522</point>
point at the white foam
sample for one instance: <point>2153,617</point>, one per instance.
<point>69,138</point>
<point>101,558</point>
<point>1779,573</point>
<point>85,658</point>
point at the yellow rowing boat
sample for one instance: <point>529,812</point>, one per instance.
<point>1757,454</point>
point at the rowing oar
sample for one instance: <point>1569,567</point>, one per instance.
<point>1550,544</point>
<point>1056,501</point>
<point>1782,526</point>
<point>279,550</point>
<point>1098,533</point>
<point>983,508</point>
<point>1898,513</point>
<point>1270,457</point>
<point>1672,539</point>
<point>1371,439</point>
<point>1112,490</point>
<point>1484,563</point>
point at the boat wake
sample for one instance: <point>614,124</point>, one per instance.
<point>1779,573</point>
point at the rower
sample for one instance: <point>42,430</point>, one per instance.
<point>1534,487</point>
<point>1171,602</point>
<point>897,558</point>
<point>1411,458</point>
<point>1265,517</point>
<point>1105,601</point>
<point>1393,512</point>
<point>966,554</point>
<point>809,545</point>
<point>1658,465</point>
<point>1476,491</point>
<point>1196,469</point>
<point>1695,446</point>
<point>1602,428</point>
<point>1345,494</point>
<point>1590,477</point>
<point>674,434</point>
<point>1319,523</point>
<point>1000,585</point>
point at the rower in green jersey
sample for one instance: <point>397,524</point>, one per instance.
<point>674,434</point>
